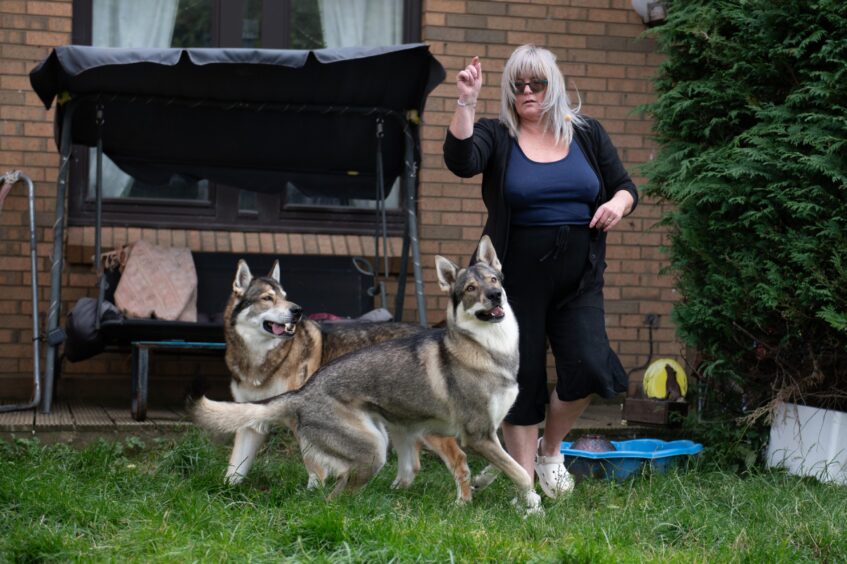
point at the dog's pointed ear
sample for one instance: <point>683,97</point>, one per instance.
<point>446,271</point>
<point>485,253</point>
<point>242,278</point>
<point>274,273</point>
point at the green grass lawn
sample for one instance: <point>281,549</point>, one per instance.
<point>166,502</point>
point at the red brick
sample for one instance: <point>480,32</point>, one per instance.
<point>266,242</point>
<point>548,26</point>
<point>568,13</point>
<point>624,30</point>
<point>444,34</point>
<point>325,245</point>
<point>36,129</point>
<point>521,38</point>
<point>516,24</point>
<point>557,41</point>
<point>616,16</point>
<point>51,39</point>
<point>13,6</point>
<point>25,52</point>
<point>54,24</point>
<point>451,6</point>
<point>467,21</point>
<point>281,245</point>
<point>586,28</point>
<point>434,19</point>
<point>49,8</point>
<point>626,58</point>
<point>527,10</point>
<point>490,8</point>
<point>237,242</point>
<point>310,244</point>
<point>222,242</point>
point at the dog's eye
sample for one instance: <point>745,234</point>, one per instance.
<point>494,279</point>
<point>268,298</point>
<point>470,288</point>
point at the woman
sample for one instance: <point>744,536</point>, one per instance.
<point>553,186</point>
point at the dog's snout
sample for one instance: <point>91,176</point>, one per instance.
<point>296,312</point>
<point>494,295</point>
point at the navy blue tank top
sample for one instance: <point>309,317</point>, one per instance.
<point>556,193</point>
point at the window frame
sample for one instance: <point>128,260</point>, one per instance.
<point>221,211</point>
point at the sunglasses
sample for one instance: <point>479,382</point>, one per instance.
<point>536,85</point>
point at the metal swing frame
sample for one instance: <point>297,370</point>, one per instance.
<point>55,334</point>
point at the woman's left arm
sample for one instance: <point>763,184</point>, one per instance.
<point>609,214</point>
<point>624,196</point>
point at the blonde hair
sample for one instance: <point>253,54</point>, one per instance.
<point>557,114</point>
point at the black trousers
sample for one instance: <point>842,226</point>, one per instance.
<point>543,266</point>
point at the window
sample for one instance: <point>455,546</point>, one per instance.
<point>275,24</point>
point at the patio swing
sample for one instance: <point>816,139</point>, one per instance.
<point>334,122</point>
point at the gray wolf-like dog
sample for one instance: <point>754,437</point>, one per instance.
<point>455,382</point>
<point>272,348</point>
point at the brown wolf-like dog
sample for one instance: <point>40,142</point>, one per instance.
<point>272,348</point>
<point>460,381</point>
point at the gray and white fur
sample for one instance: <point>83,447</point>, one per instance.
<point>456,382</point>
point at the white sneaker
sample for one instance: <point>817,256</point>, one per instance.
<point>554,479</point>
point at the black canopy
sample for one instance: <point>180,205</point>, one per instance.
<point>258,118</point>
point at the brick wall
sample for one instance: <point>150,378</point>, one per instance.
<point>27,31</point>
<point>599,54</point>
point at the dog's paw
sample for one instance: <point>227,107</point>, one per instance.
<point>485,478</point>
<point>463,501</point>
<point>530,505</point>
<point>313,483</point>
<point>400,483</point>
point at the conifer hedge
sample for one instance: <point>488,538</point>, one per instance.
<point>751,121</point>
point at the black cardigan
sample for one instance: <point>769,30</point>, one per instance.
<point>488,151</point>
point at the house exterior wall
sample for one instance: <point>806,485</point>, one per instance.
<point>600,55</point>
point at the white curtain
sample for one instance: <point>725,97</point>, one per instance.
<point>351,23</point>
<point>371,23</point>
<point>128,23</point>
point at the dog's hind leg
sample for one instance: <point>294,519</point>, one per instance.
<point>340,486</point>
<point>491,449</point>
<point>356,477</point>
<point>408,460</point>
<point>355,451</point>
<point>447,448</point>
<point>247,443</point>
<point>317,473</point>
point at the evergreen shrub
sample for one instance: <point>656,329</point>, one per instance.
<point>751,121</point>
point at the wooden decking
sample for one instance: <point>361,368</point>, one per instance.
<point>82,422</point>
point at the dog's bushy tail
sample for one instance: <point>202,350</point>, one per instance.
<point>229,417</point>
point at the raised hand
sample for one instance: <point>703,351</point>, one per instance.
<point>469,82</point>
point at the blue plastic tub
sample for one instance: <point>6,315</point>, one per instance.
<point>628,458</point>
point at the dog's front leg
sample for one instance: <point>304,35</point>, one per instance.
<point>447,448</point>
<point>491,449</point>
<point>247,443</point>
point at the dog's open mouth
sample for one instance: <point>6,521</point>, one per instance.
<point>280,329</point>
<point>494,314</point>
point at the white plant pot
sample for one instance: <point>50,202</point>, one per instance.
<point>809,441</point>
